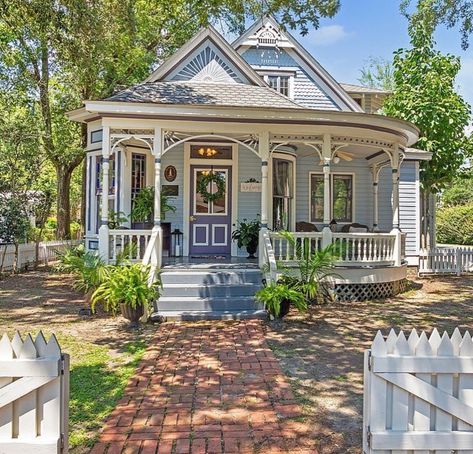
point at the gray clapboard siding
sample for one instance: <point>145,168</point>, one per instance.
<point>175,157</point>
<point>362,187</point>
<point>307,91</point>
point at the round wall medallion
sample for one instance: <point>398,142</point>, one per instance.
<point>170,173</point>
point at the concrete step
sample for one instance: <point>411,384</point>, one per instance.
<point>209,291</point>
<point>218,304</point>
<point>208,315</point>
<point>211,277</point>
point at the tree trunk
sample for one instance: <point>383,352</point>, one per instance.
<point>63,174</point>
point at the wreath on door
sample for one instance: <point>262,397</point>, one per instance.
<point>206,180</point>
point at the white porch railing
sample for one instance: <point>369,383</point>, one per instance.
<point>268,256</point>
<point>355,249</point>
<point>128,244</point>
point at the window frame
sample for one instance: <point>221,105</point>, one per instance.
<point>290,81</point>
<point>284,157</point>
<point>353,196</point>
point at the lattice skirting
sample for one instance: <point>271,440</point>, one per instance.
<point>364,292</point>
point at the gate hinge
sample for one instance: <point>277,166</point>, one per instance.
<point>368,436</point>
<point>61,443</point>
<point>370,360</point>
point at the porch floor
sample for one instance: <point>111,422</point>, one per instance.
<point>207,388</point>
<point>209,262</point>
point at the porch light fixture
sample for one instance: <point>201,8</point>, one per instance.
<point>207,152</point>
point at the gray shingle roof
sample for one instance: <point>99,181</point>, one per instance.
<point>207,93</point>
<point>351,88</point>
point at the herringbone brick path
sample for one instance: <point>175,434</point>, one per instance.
<point>206,387</point>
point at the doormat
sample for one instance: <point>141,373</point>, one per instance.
<point>213,257</point>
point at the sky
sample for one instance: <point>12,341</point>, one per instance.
<point>375,28</point>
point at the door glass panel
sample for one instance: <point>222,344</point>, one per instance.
<point>201,206</point>
<point>218,206</point>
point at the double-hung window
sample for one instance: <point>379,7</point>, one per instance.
<point>341,189</point>
<point>279,83</point>
<point>283,193</point>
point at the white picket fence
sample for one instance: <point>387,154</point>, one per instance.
<point>48,252</point>
<point>418,394</point>
<point>446,260</point>
<point>34,396</point>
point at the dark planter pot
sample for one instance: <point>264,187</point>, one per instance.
<point>132,314</point>
<point>142,225</point>
<point>251,249</point>
<point>285,306</point>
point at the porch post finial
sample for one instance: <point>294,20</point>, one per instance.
<point>104,242</point>
<point>263,149</point>
<point>326,158</point>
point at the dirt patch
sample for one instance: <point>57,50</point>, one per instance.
<point>322,351</point>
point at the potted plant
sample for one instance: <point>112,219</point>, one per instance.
<point>116,219</point>
<point>143,208</point>
<point>278,297</point>
<point>247,235</point>
<point>126,289</point>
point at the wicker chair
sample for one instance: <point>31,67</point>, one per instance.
<point>304,226</point>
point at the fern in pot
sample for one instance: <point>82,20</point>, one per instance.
<point>278,297</point>
<point>247,235</point>
<point>127,289</point>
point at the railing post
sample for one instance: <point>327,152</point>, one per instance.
<point>397,247</point>
<point>327,237</point>
<point>104,240</point>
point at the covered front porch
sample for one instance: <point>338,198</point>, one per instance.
<point>327,187</point>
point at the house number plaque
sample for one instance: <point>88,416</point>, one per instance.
<point>170,173</point>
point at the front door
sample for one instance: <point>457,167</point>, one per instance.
<point>210,220</point>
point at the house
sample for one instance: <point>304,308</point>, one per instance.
<point>270,133</point>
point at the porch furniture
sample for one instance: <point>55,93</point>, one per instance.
<point>350,228</point>
<point>303,226</point>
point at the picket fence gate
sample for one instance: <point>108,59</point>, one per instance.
<point>418,394</point>
<point>34,396</point>
<point>455,260</point>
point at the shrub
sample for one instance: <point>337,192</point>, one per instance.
<point>455,225</point>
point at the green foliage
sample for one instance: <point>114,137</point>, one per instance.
<point>425,95</point>
<point>377,73</point>
<point>116,219</point>
<point>460,192</point>
<point>274,294</point>
<point>143,205</point>
<point>315,268</point>
<point>455,225</point>
<point>450,13</point>
<point>247,233</point>
<point>125,285</point>
<point>14,222</point>
<point>208,180</point>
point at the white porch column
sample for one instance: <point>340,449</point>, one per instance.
<point>395,198</point>
<point>375,172</point>
<point>263,149</point>
<point>104,241</point>
<point>156,257</point>
<point>326,160</point>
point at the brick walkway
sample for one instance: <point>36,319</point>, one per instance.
<point>206,388</point>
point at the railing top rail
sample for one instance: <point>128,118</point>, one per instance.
<point>362,235</point>
<point>297,234</point>
<point>130,232</point>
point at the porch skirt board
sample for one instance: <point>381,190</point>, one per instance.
<point>366,292</point>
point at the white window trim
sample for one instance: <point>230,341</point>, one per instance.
<point>290,82</point>
<point>353,206</point>
<point>287,157</point>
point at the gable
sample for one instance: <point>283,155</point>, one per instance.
<point>207,57</point>
<point>265,46</point>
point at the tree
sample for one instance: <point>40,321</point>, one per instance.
<point>425,94</point>
<point>451,13</point>
<point>460,192</point>
<point>67,51</point>
<point>377,73</point>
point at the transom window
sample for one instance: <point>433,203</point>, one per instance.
<point>341,188</point>
<point>210,151</point>
<point>279,83</point>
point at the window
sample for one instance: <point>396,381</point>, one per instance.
<point>138,173</point>
<point>111,175</point>
<point>282,193</point>
<point>279,83</point>
<point>342,197</point>
<point>96,136</point>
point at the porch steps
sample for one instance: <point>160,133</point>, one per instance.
<point>209,294</point>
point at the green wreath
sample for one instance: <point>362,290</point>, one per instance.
<point>210,178</point>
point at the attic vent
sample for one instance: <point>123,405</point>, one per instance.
<point>268,38</point>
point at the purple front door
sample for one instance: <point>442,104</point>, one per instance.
<point>210,222</point>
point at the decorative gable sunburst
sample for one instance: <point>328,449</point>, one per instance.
<point>207,66</point>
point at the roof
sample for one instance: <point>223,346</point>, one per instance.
<point>351,88</point>
<point>312,64</point>
<point>206,34</point>
<point>218,94</point>
<point>418,155</point>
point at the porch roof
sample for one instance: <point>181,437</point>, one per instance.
<point>204,93</point>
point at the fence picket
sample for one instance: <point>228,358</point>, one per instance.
<point>6,412</point>
<point>430,407</point>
